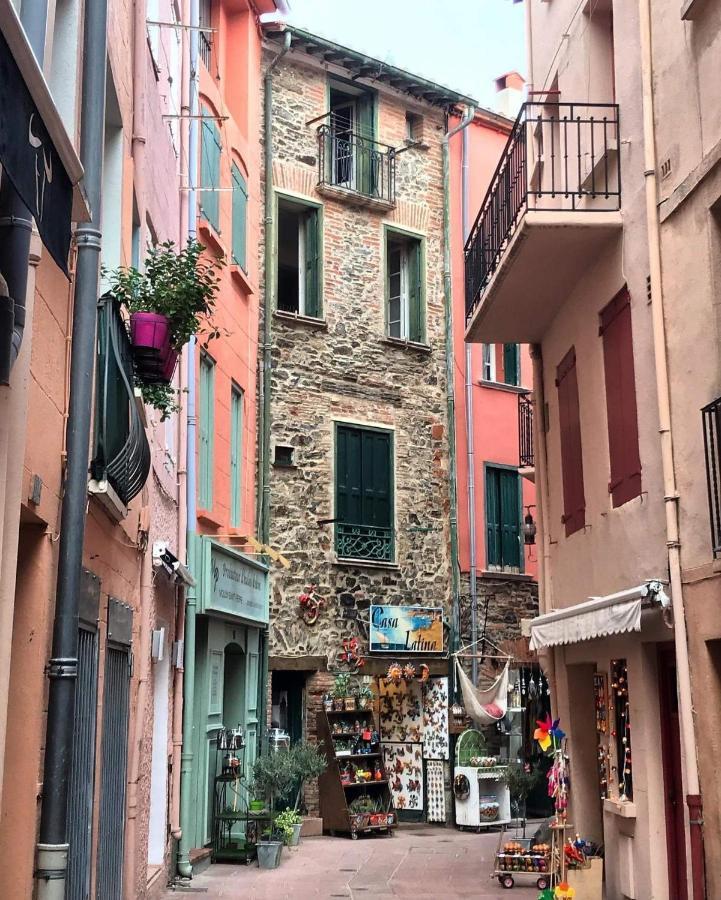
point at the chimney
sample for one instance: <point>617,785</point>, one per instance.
<point>509,94</point>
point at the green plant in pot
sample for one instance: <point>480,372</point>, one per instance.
<point>364,696</point>
<point>289,824</point>
<point>169,302</point>
<point>308,762</point>
<point>274,775</point>
<point>520,781</point>
<point>341,691</point>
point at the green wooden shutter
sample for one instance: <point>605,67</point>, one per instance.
<point>364,146</point>
<point>493,518</point>
<point>415,297</point>
<point>510,519</point>
<point>510,364</point>
<point>205,433</point>
<point>236,455</point>
<point>376,478</point>
<point>312,263</point>
<point>240,215</point>
<point>348,476</point>
<point>211,146</point>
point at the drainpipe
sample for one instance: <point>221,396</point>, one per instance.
<point>470,437</point>
<point>62,667</point>
<point>670,491</point>
<point>185,869</point>
<point>265,414</point>
<point>450,386</point>
<point>146,579</point>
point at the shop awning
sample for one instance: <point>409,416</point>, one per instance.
<point>36,152</point>
<point>596,617</point>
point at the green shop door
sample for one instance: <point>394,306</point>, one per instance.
<point>227,671</point>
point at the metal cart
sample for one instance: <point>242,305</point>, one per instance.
<point>521,862</point>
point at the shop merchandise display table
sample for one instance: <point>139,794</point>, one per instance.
<point>481,796</point>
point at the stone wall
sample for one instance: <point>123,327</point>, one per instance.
<point>344,368</point>
<point>509,601</point>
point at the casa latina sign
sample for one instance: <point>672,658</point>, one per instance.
<point>406,629</point>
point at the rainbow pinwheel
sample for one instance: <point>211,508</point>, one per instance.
<point>548,731</point>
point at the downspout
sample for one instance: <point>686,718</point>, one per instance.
<point>470,437</point>
<point>62,667</point>
<point>265,413</point>
<point>670,491</point>
<point>16,221</point>
<point>450,387</point>
<point>146,575</point>
<point>185,869</point>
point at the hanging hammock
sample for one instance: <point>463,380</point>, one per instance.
<point>484,705</point>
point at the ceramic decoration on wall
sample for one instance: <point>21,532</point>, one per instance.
<point>404,765</point>
<point>401,714</point>
<point>435,791</point>
<point>435,718</point>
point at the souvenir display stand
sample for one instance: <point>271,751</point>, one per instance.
<point>482,798</point>
<point>354,792</point>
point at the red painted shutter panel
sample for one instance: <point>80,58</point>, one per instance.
<point>574,501</point>
<point>625,480</point>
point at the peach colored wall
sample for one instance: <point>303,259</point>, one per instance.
<point>234,77</point>
<point>495,410</point>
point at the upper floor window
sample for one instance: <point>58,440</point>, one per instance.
<point>364,493</point>
<point>240,215</point>
<point>569,415</point>
<point>352,130</point>
<point>236,455</point>
<point>501,363</point>
<point>205,37</point>
<point>211,148</point>
<point>503,519</point>
<point>625,481</point>
<point>404,287</point>
<point>206,431</point>
<point>298,270</point>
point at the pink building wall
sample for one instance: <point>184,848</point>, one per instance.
<point>495,408</point>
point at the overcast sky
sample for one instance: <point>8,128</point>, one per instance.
<point>463,44</point>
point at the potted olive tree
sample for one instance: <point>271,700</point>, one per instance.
<point>273,777</point>
<point>170,301</point>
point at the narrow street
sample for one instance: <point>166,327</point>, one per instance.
<point>419,861</point>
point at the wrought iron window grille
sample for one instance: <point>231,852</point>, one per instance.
<point>525,431</point>
<point>711,416</point>
<point>364,542</point>
<point>355,162</point>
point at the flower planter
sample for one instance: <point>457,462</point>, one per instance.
<point>257,806</point>
<point>338,704</point>
<point>349,704</point>
<point>269,854</point>
<point>150,331</point>
<point>295,839</point>
<point>362,703</point>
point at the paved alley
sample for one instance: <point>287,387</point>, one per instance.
<point>418,862</point>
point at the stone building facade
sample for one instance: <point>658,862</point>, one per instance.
<point>341,370</point>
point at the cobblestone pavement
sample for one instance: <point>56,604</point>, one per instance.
<point>417,862</point>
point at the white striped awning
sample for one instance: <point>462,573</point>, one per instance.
<point>596,617</point>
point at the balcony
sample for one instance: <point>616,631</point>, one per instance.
<point>552,205</point>
<point>370,543</point>
<point>526,460</point>
<point>354,167</point>
<point>712,448</point>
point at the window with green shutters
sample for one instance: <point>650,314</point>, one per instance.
<point>298,259</point>
<point>236,455</point>
<point>503,519</point>
<point>206,425</point>
<point>364,493</point>
<point>240,216</point>
<point>511,364</point>
<point>211,147</point>
<point>405,311</point>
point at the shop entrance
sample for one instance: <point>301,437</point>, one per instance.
<point>672,773</point>
<point>289,703</point>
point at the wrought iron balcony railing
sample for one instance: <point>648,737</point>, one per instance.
<point>559,157</point>
<point>368,542</point>
<point>525,431</point>
<point>122,453</point>
<point>712,447</point>
<point>355,163</point>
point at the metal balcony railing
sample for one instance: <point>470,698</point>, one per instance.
<point>559,157</point>
<point>712,447</point>
<point>364,542</point>
<point>356,163</point>
<point>525,431</point>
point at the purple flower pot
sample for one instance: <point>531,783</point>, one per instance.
<point>150,331</point>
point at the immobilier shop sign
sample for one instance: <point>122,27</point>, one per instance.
<point>233,584</point>
<point>406,629</point>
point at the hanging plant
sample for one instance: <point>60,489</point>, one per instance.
<point>169,302</point>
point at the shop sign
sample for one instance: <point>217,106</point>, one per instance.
<point>406,629</point>
<point>233,584</point>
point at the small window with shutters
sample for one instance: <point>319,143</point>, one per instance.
<point>503,519</point>
<point>625,476</point>
<point>240,216</point>
<point>364,493</point>
<point>211,148</point>
<point>236,455</point>
<point>298,259</point>
<point>574,501</point>
<point>206,431</point>
<point>405,287</point>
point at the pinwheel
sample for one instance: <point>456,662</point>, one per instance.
<point>548,731</point>
<point>564,891</point>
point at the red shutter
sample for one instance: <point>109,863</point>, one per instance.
<point>574,501</point>
<point>625,480</point>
